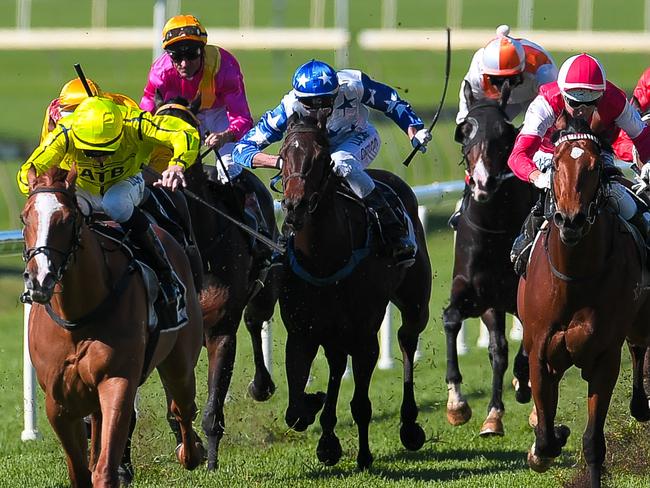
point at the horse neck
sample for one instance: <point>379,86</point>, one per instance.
<point>85,282</point>
<point>507,208</point>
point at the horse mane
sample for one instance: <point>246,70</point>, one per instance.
<point>298,123</point>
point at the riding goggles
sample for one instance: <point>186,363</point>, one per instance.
<point>186,31</point>
<point>498,81</point>
<point>580,103</point>
<point>188,54</point>
<point>94,153</point>
<point>315,103</point>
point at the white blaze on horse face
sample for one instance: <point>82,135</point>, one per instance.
<point>576,152</point>
<point>46,205</point>
<point>480,176</point>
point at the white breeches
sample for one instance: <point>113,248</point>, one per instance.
<point>118,201</point>
<point>353,155</point>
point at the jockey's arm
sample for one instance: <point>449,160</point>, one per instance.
<point>268,130</point>
<point>50,153</point>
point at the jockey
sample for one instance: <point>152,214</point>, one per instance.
<point>623,146</point>
<point>109,143</point>
<point>354,141</point>
<point>525,65</point>
<point>581,90</point>
<point>192,69</point>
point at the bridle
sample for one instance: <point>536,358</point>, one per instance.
<point>182,108</point>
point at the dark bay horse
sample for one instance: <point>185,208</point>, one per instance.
<point>88,332</point>
<point>582,297</point>
<point>336,285</point>
<point>231,270</point>
<point>484,283</point>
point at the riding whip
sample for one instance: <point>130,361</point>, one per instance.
<point>84,81</point>
<point>407,161</point>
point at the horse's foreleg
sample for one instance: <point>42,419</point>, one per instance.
<point>411,434</point>
<point>261,388</point>
<point>72,434</point>
<point>329,448</point>
<point>116,395</point>
<point>125,471</point>
<point>221,359</point>
<point>522,377</point>
<point>495,321</point>
<point>303,407</point>
<point>363,364</point>
<point>639,402</point>
<point>95,438</point>
<point>601,386</point>
<point>458,410</point>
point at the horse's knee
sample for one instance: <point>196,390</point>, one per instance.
<point>213,423</point>
<point>361,409</point>
<point>452,320</point>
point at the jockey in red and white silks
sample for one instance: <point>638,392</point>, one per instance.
<point>581,90</point>
<point>523,63</point>
<point>623,146</point>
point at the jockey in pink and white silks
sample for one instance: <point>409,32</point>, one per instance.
<point>582,90</point>
<point>354,141</point>
<point>192,69</point>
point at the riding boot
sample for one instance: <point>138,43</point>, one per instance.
<point>144,236</point>
<point>524,242</point>
<point>396,234</point>
<point>641,220</point>
<point>455,217</point>
<point>277,258</point>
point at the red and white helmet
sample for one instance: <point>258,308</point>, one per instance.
<point>503,55</point>
<point>582,78</point>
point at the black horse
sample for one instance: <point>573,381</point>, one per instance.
<point>484,283</point>
<point>237,268</point>
<point>336,285</point>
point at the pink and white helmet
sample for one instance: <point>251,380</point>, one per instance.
<point>582,78</point>
<point>503,55</point>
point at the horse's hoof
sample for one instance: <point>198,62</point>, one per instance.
<point>460,415</point>
<point>125,473</point>
<point>492,427</point>
<point>312,405</point>
<point>261,394</point>
<point>537,463</point>
<point>522,393</point>
<point>364,461</point>
<point>329,450</point>
<point>532,418</point>
<point>412,436</point>
<point>562,433</point>
<point>195,458</point>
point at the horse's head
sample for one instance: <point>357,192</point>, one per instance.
<point>52,226</point>
<point>178,107</point>
<point>306,168</point>
<point>577,180</point>
<point>487,137</point>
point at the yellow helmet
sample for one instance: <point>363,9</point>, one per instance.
<point>73,93</point>
<point>183,28</point>
<point>97,125</point>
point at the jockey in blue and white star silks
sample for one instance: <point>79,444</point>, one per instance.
<point>354,141</point>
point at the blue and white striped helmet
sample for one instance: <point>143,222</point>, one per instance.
<point>315,78</point>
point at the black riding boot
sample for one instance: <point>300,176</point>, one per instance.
<point>396,235</point>
<point>524,242</point>
<point>641,220</point>
<point>455,217</point>
<point>144,236</point>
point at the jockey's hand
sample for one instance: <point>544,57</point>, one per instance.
<point>543,180</point>
<point>216,140</point>
<point>640,186</point>
<point>645,172</point>
<point>419,138</point>
<point>172,178</point>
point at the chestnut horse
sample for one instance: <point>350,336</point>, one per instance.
<point>230,269</point>
<point>484,283</point>
<point>582,297</point>
<point>337,283</point>
<point>89,332</point>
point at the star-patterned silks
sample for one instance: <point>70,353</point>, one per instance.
<point>273,121</point>
<point>347,103</point>
<point>257,136</point>
<point>371,98</point>
<point>325,78</point>
<point>396,104</point>
<point>302,80</point>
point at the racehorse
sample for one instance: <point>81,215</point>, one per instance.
<point>89,332</point>
<point>583,295</point>
<point>230,268</point>
<point>337,283</point>
<point>484,283</point>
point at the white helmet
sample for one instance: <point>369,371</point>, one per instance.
<point>503,55</point>
<point>582,78</point>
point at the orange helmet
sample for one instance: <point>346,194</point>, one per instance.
<point>503,55</point>
<point>183,28</point>
<point>73,93</point>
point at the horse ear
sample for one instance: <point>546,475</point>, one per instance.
<point>467,91</point>
<point>196,105</point>
<point>458,133</point>
<point>505,94</point>
<point>31,177</point>
<point>321,117</point>
<point>71,178</point>
<point>158,99</point>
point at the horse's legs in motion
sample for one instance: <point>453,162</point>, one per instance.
<point>363,364</point>
<point>646,373</point>
<point>495,321</point>
<point>639,402</point>
<point>329,448</point>
<point>549,439</point>
<point>222,346</point>
<point>522,377</point>
<point>180,386</point>
<point>458,410</point>
<point>411,434</point>
<point>126,471</point>
<point>72,433</point>
<point>601,386</point>
<point>303,407</point>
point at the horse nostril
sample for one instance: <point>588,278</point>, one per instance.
<point>558,219</point>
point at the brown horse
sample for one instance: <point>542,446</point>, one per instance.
<point>484,283</point>
<point>337,283</point>
<point>235,271</point>
<point>582,297</point>
<point>88,332</point>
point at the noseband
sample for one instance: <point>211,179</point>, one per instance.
<point>32,252</point>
